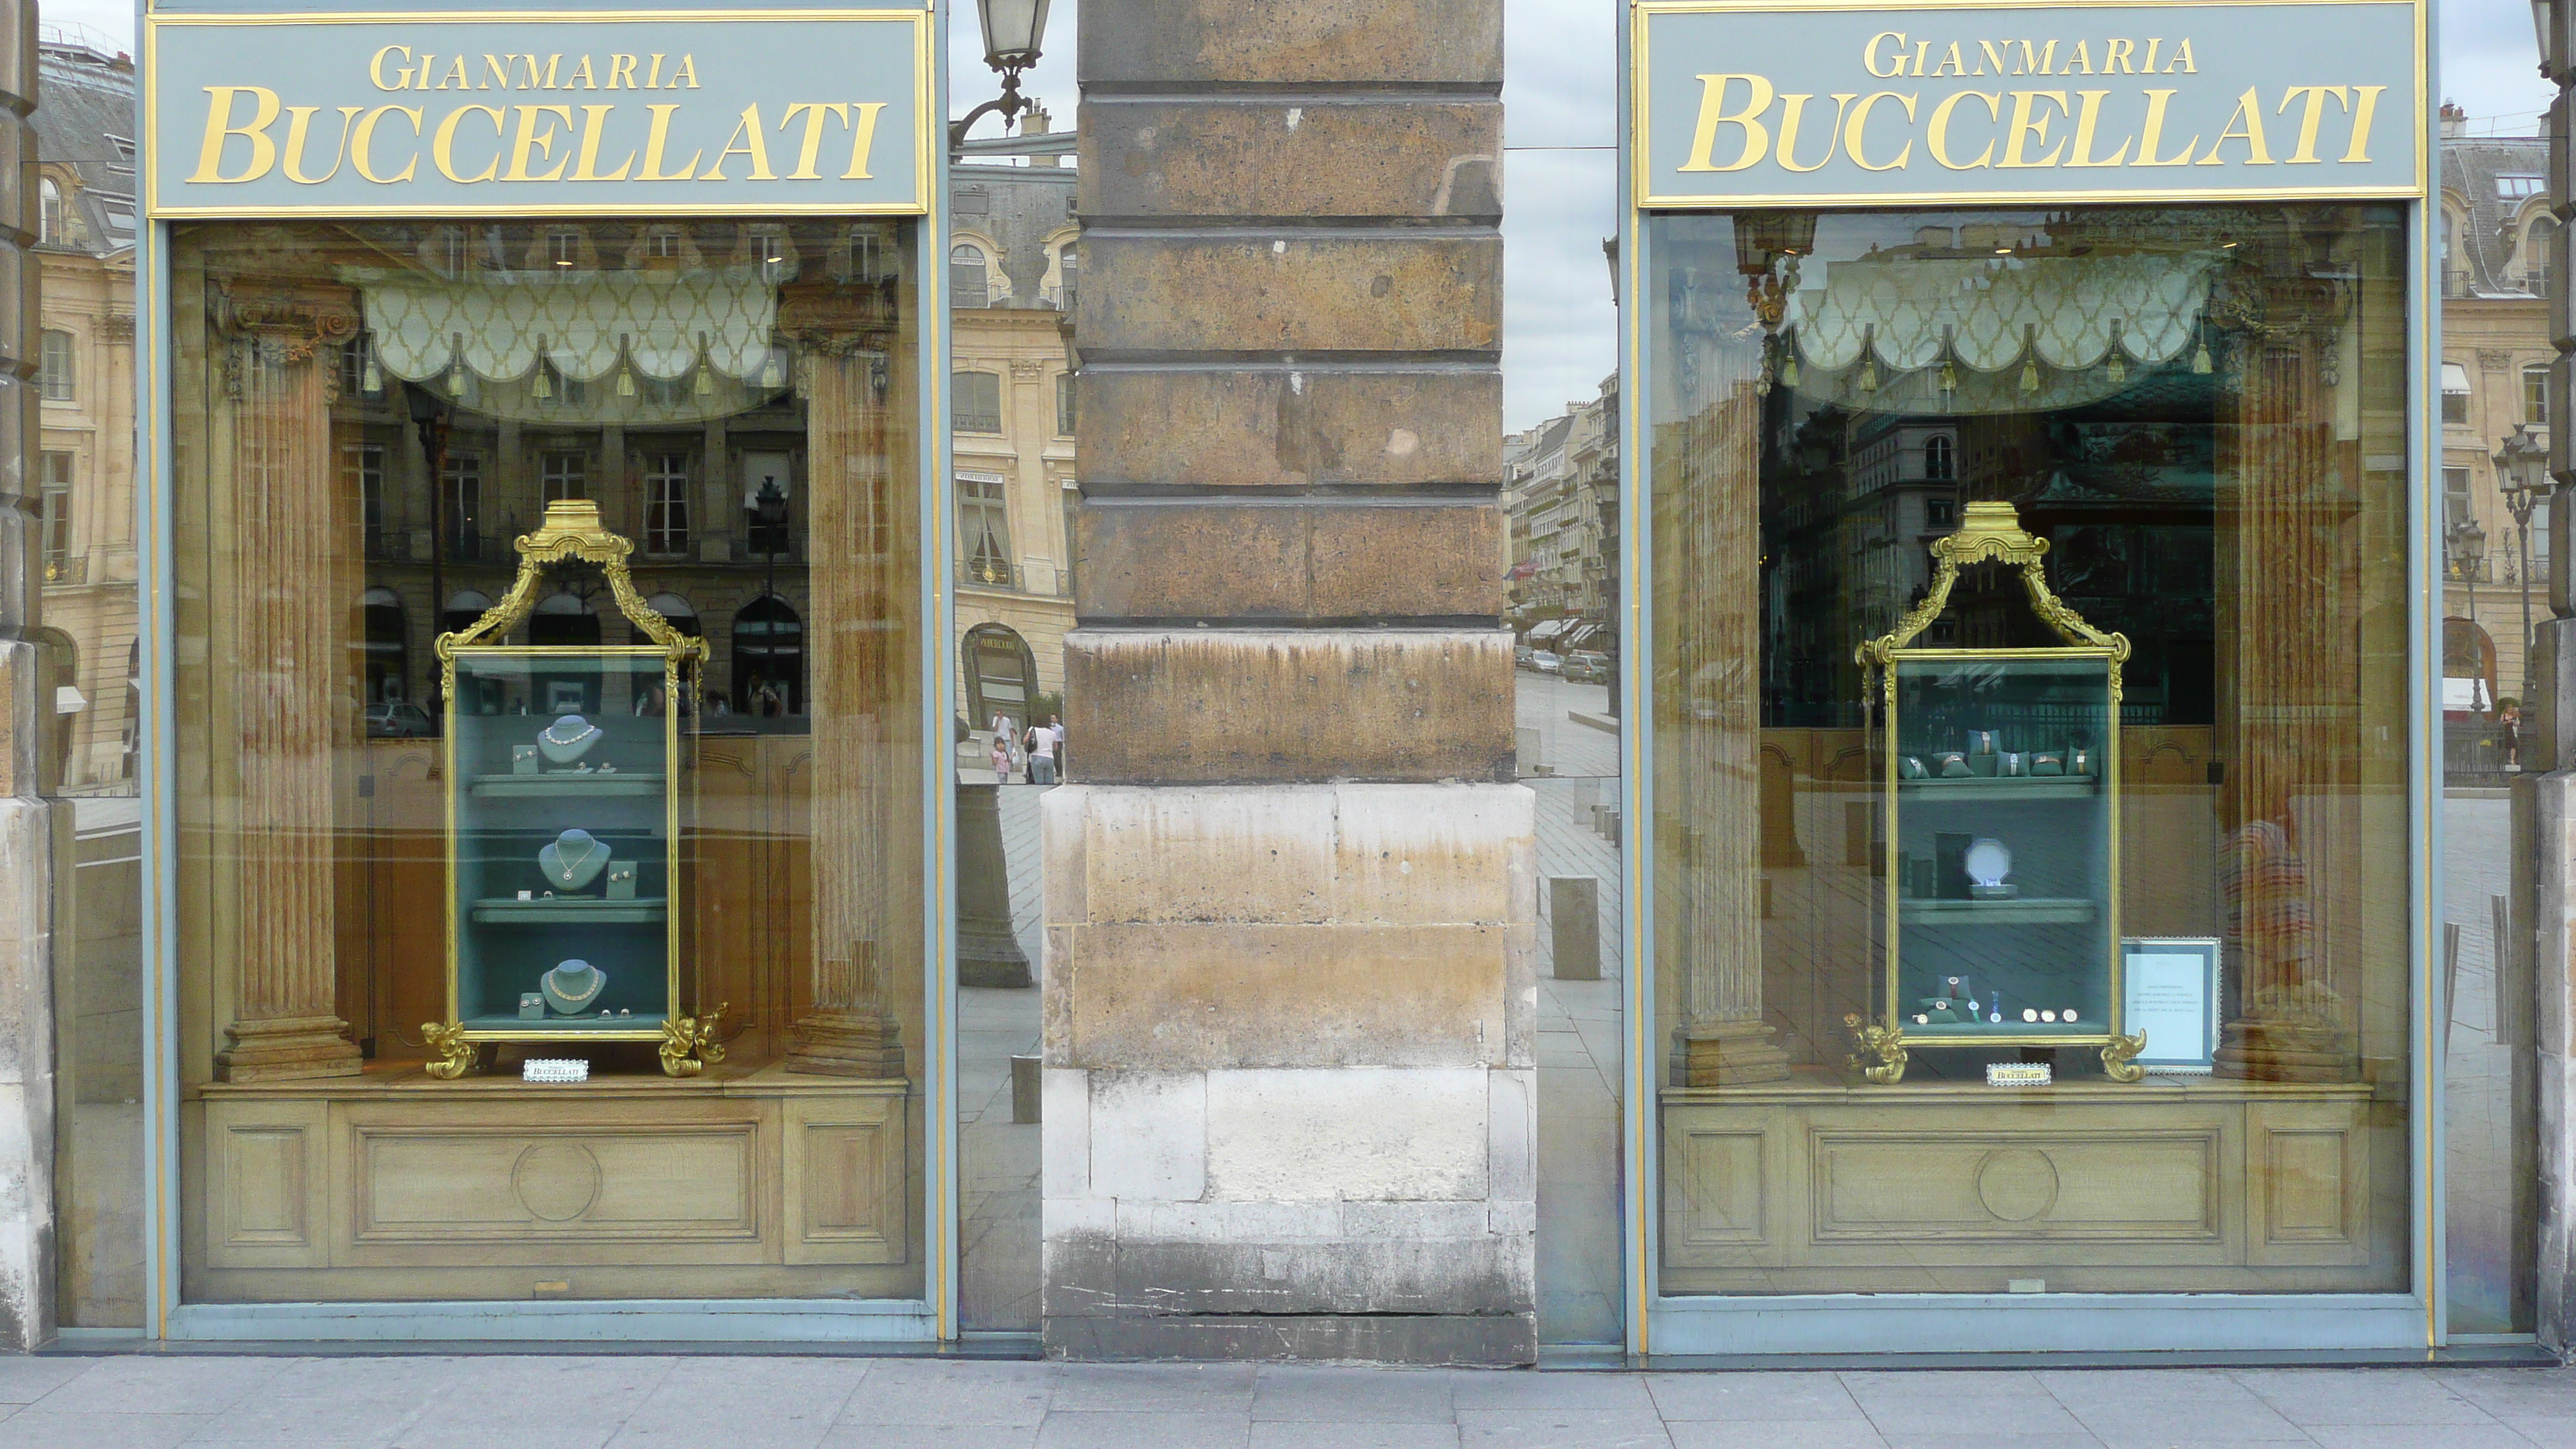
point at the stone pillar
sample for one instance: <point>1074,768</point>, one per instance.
<point>860,650</point>
<point>26,843</point>
<point>1291,894</point>
<point>284,622</point>
<point>2545,798</point>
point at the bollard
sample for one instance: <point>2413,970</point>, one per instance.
<point>1574,920</point>
<point>1027,1089</point>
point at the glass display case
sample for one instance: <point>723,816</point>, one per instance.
<point>2001,800</point>
<point>564,810</point>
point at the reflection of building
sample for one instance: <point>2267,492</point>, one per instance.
<point>1012,275</point>
<point>2496,233</point>
<point>1904,492</point>
<point>86,472</point>
<point>1560,490</point>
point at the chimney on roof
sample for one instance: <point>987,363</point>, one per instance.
<point>2455,122</point>
<point>1035,123</point>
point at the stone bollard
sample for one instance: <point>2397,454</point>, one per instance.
<point>1027,1093</point>
<point>1574,921</point>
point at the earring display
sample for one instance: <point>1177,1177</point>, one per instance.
<point>528,920</point>
<point>2004,854</point>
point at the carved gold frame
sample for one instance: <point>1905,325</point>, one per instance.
<point>572,532</point>
<point>1992,532</point>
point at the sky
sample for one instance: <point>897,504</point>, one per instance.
<point>1559,187</point>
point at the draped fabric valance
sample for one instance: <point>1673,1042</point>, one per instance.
<point>1993,313</point>
<point>497,324</point>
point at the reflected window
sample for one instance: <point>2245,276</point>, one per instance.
<point>984,526</point>
<point>978,402</point>
<point>383,647</point>
<point>562,475</point>
<point>768,659</point>
<point>666,503</point>
<point>967,275</point>
<point>52,218</point>
<point>57,374</point>
<point>54,516</point>
<point>2455,395</point>
<point>2535,394</point>
<point>2539,257</point>
<point>462,479</point>
<point>1064,394</point>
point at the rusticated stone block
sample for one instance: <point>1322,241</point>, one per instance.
<point>1319,157</point>
<point>1358,560</point>
<point>1297,292</point>
<point>1283,428</point>
<point>1483,1340</point>
<point>1207,706</point>
<point>1367,42</point>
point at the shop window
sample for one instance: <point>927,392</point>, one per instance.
<point>562,475</point>
<point>978,402</point>
<point>383,656</point>
<point>563,248</point>
<point>2210,820</point>
<point>662,244</point>
<point>2535,394</point>
<point>2517,185</point>
<point>770,246</point>
<point>462,478</point>
<point>2455,499</point>
<point>55,515</point>
<point>2455,395</point>
<point>666,503</point>
<point>1940,513</point>
<point>51,219</point>
<point>1064,393</point>
<point>984,527</point>
<point>56,372</point>
<point>768,659</point>
<point>967,275</point>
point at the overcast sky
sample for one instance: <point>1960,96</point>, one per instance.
<point>1560,190</point>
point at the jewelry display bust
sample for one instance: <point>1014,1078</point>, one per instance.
<point>568,739</point>
<point>573,860</point>
<point>572,986</point>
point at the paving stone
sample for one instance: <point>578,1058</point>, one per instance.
<point>931,1436</point>
<point>1775,1434</point>
<point>33,1428</point>
<point>927,1392</point>
<point>1219,1388</point>
<point>1314,1434</point>
<point>25,1379</point>
<point>1625,1393</point>
<point>2408,1436</point>
<point>2144,1424</point>
<point>1349,1396</point>
<point>1108,1430</point>
<point>1560,1429</point>
<point>2312,1397</point>
<point>137,1384</point>
<point>1753,1397</point>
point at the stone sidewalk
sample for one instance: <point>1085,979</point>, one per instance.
<point>759,1402</point>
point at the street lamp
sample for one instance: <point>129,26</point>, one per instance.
<point>2522,474</point>
<point>769,512</point>
<point>2467,544</point>
<point>1013,31</point>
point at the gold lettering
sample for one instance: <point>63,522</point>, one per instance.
<point>458,74</point>
<point>2154,44</point>
<point>496,72</point>
<point>2154,134</point>
<point>442,147</point>
<point>362,138</point>
<point>1895,63</point>
<point>531,139</point>
<point>582,77</point>
<point>2034,62</point>
<point>419,79</point>
<point>297,118</point>
<point>653,82</point>
<point>1993,57</point>
<point>1936,136</point>
<point>220,129</point>
<point>2084,123</point>
<point>1712,114</point>
<point>655,139</point>
<point>1922,50</point>
<point>1858,125</point>
<point>545,81</point>
<point>593,120</point>
<point>621,65</point>
<point>813,143</point>
<point>2024,127</point>
<point>863,139</point>
<point>2310,117</point>
<point>2083,56</point>
<point>2116,52</point>
<point>2365,105</point>
<point>2249,109</point>
<point>754,145</point>
<point>376,68</point>
<point>2182,60</point>
<point>688,71</point>
<point>1951,64</point>
<point>1793,109</point>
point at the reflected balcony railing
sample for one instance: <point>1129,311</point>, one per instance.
<point>987,572</point>
<point>67,569</point>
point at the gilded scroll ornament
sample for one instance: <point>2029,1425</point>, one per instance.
<point>689,1043</point>
<point>452,1056</point>
<point>2118,1058</point>
<point>1887,1043</point>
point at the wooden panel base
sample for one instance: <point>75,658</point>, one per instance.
<point>2174,1184</point>
<point>395,1185</point>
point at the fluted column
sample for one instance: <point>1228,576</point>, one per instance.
<point>861,650</point>
<point>1709,740</point>
<point>286,621</point>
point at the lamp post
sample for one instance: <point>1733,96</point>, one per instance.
<point>2522,474</point>
<point>2467,545</point>
<point>429,418</point>
<point>769,512</point>
<point>1013,31</point>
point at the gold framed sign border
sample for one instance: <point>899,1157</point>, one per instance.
<point>923,160</point>
<point>1641,176</point>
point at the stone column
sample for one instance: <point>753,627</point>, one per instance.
<point>1710,739</point>
<point>860,650</point>
<point>26,844</point>
<point>284,623</point>
<point>2545,799</point>
<point>1291,896</point>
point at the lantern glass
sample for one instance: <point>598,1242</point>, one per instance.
<point>1013,31</point>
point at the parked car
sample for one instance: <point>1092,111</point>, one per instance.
<point>1589,666</point>
<point>398,719</point>
<point>1547,663</point>
<point>1521,656</point>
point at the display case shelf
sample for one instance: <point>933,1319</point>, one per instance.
<point>503,910</point>
<point>1992,788</point>
<point>569,786</point>
<point>2016,911</point>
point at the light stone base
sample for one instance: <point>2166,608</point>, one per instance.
<point>26,1069</point>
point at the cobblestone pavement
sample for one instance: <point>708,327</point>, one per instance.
<point>532,1402</point>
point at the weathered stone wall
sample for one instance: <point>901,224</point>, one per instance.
<point>26,714</point>
<point>2544,798</point>
<point>1291,900</point>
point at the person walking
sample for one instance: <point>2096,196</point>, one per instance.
<point>1041,742</point>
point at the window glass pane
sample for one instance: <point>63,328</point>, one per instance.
<point>2535,395</point>
<point>56,370</point>
<point>574,843</point>
<point>966,275</point>
<point>1930,827</point>
<point>1064,394</point>
<point>978,402</point>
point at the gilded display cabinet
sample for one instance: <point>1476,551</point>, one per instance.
<point>2000,771</point>
<point>564,806</point>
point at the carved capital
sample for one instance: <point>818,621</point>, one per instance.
<point>2494,359</point>
<point>297,319</point>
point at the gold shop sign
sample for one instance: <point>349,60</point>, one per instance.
<point>504,113</point>
<point>1767,103</point>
